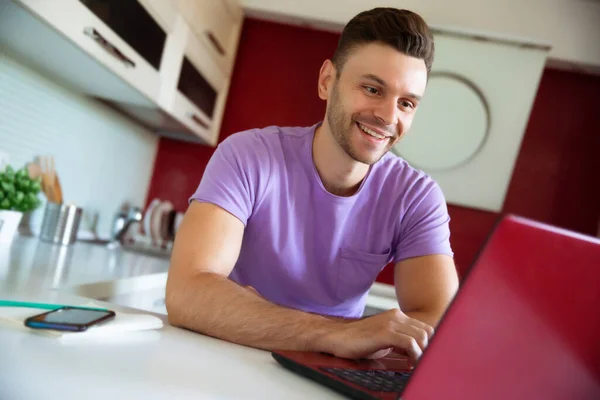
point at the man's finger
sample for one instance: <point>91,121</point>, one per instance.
<point>407,344</point>
<point>421,325</point>
<point>420,335</point>
<point>380,353</point>
<point>400,317</point>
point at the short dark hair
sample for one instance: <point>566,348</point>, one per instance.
<point>403,30</point>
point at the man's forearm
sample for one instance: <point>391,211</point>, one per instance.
<point>214,305</point>
<point>431,318</point>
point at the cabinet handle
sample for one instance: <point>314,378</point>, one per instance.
<point>197,120</point>
<point>106,45</point>
<point>215,42</point>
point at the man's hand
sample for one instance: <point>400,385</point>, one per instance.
<point>376,336</point>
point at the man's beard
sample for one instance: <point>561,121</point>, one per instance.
<point>341,126</point>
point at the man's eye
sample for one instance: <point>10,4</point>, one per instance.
<point>407,104</point>
<point>371,90</point>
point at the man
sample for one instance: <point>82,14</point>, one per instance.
<point>289,227</point>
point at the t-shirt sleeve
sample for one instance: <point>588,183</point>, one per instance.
<point>236,175</point>
<point>425,226</point>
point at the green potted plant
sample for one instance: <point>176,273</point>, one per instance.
<point>18,195</point>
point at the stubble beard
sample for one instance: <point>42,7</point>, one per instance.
<point>341,125</point>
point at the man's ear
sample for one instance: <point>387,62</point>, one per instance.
<point>326,79</point>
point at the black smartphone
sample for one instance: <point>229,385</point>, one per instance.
<point>72,319</point>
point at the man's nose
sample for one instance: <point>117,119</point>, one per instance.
<point>387,112</point>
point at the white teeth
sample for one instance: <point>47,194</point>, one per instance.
<point>370,131</point>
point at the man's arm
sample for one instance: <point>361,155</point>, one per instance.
<point>425,286</point>
<point>200,297</point>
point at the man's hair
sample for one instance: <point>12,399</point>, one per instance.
<point>403,30</point>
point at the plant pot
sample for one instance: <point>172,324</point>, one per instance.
<point>9,224</point>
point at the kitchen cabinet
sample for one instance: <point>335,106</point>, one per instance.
<point>165,64</point>
<point>216,25</point>
<point>194,87</point>
<point>88,24</point>
<point>133,24</point>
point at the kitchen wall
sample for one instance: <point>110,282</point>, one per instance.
<point>555,179</point>
<point>102,158</point>
<point>570,26</point>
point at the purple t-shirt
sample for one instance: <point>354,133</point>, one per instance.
<point>306,248</point>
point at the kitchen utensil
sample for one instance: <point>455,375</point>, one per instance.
<point>170,234</point>
<point>60,224</point>
<point>57,189</point>
<point>122,221</point>
<point>178,220</point>
<point>163,228</point>
<point>54,181</point>
<point>40,161</point>
<point>34,169</point>
<point>50,182</point>
<point>148,217</point>
<point>155,225</point>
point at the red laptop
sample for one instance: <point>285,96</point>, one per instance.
<point>525,324</point>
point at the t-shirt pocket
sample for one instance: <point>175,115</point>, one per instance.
<point>357,271</point>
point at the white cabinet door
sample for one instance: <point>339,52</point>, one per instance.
<point>217,24</point>
<point>164,12</point>
<point>193,86</point>
<point>81,26</point>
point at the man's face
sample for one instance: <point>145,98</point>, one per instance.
<point>373,101</point>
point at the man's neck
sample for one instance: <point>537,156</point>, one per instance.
<point>341,174</point>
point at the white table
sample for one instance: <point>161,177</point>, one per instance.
<point>170,363</point>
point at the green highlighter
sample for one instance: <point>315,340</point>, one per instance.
<point>44,306</point>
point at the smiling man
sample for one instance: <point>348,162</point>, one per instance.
<point>290,227</point>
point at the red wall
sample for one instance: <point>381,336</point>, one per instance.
<point>556,178</point>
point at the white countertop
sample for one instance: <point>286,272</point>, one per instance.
<point>169,363</point>
<point>166,363</point>
<point>29,263</point>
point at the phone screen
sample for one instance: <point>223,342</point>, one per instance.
<point>75,316</point>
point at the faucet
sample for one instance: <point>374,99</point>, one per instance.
<point>122,221</point>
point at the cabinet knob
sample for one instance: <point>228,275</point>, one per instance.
<point>106,45</point>
<point>215,42</point>
<point>197,120</point>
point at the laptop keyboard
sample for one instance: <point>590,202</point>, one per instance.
<point>374,380</point>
